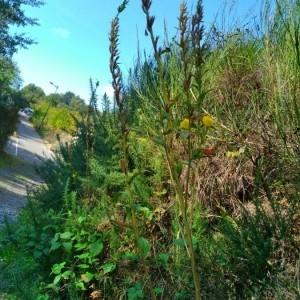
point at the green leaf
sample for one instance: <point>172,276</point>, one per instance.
<point>80,286</point>
<point>131,256</point>
<point>67,274</point>
<point>54,245</point>
<point>179,167</point>
<point>108,267</point>
<point>184,134</point>
<point>163,259</point>
<point>46,251</point>
<point>83,255</point>
<point>158,290</point>
<point>96,248</point>
<point>37,254</point>
<point>83,266</point>
<point>145,247</point>
<point>66,235</point>
<point>81,219</point>
<point>180,242</point>
<point>194,240</point>
<point>39,247</point>
<point>56,279</point>
<point>135,292</point>
<point>87,277</point>
<point>67,246</point>
<point>44,236</point>
<point>31,244</point>
<point>56,269</point>
<point>80,246</point>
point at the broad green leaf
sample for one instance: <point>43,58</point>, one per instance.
<point>66,235</point>
<point>56,269</point>
<point>31,244</point>
<point>67,246</point>
<point>46,251</point>
<point>135,292</point>
<point>108,267</point>
<point>67,274</point>
<point>39,247</point>
<point>96,248</point>
<point>56,279</point>
<point>145,246</point>
<point>80,286</point>
<point>37,254</point>
<point>87,277</point>
<point>80,246</point>
<point>81,219</point>
<point>54,244</point>
<point>180,242</point>
<point>131,256</point>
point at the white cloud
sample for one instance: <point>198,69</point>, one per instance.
<point>108,90</point>
<point>63,33</point>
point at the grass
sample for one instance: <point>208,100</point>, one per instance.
<point>9,160</point>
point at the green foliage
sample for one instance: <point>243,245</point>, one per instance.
<point>10,99</point>
<point>13,14</point>
<point>32,94</point>
<point>155,196</point>
<point>83,250</point>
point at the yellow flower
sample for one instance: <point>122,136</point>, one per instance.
<point>185,124</point>
<point>208,121</point>
<point>232,153</point>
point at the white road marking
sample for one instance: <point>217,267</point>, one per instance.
<point>17,142</point>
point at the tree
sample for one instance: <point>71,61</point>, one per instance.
<point>78,104</point>
<point>11,100</point>
<point>54,99</point>
<point>67,97</point>
<point>12,14</point>
<point>33,94</point>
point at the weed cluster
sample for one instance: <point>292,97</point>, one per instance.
<point>186,187</point>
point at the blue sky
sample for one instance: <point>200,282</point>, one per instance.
<point>73,38</point>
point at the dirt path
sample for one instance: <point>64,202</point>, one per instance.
<point>30,151</point>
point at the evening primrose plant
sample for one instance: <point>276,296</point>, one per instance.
<point>142,245</point>
<point>182,121</point>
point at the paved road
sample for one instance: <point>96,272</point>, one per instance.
<point>27,145</point>
<point>16,179</point>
